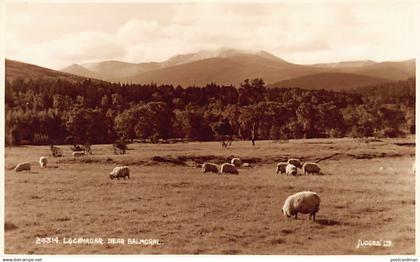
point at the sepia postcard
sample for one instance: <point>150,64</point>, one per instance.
<point>209,128</point>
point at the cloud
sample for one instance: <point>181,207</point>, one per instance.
<point>84,46</point>
<point>301,33</point>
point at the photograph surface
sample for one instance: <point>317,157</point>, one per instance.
<point>283,128</point>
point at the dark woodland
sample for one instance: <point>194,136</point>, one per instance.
<point>44,112</point>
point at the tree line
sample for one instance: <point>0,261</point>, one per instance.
<point>90,112</point>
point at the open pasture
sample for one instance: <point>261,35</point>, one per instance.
<point>367,192</point>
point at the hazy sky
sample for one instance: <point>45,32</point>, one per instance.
<point>57,35</point>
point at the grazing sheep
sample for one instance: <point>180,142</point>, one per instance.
<point>79,153</point>
<point>56,151</point>
<point>25,166</point>
<point>296,162</point>
<point>229,169</point>
<point>209,167</point>
<point>310,168</point>
<point>291,170</point>
<point>236,162</point>
<point>281,167</point>
<point>43,161</point>
<point>302,202</point>
<point>120,171</point>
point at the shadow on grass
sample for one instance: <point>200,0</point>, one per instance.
<point>277,241</point>
<point>327,222</point>
<point>286,231</point>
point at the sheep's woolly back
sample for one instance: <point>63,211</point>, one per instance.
<point>228,168</point>
<point>311,167</point>
<point>236,162</point>
<point>303,202</point>
<point>210,167</point>
<point>120,171</point>
<point>281,167</point>
<point>25,166</point>
<point>43,161</point>
<point>295,162</point>
<point>79,153</point>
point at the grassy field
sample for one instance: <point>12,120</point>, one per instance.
<point>367,192</point>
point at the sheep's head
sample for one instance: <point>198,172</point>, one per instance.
<point>278,169</point>
<point>286,211</point>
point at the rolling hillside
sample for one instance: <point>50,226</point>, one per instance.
<point>231,66</point>
<point>226,67</point>
<point>111,70</point>
<point>79,70</point>
<point>331,81</point>
<point>15,69</point>
<point>387,70</point>
<point>224,70</point>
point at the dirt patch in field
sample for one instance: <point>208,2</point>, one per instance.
<point>406,144</point>
<point>168,160</point>
<point>341,156</point>
<point>327,222</point>
<point>98,160</point>
<point>198,160</point>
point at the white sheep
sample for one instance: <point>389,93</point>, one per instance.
<point>296,162</point>
<point>79,153</point>
<point>236,162</point>
<point>120,171</point>
<point>306,202</point>
<point>210,167</point>
<point>25,166</point>
<point>311,168</point>
<point>43,161</point>
<point>281,167</point>
<point>229,169</point>
<point>291,170</point>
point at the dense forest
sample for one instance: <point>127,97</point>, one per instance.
<point>91,112</point>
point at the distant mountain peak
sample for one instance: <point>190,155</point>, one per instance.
<point>224,52</point>
<point>79,70</point>
<point>352,64</point>
<point>231,66</point>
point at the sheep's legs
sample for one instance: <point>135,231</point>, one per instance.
<point>296,216</point>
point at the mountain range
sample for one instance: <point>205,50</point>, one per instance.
<point>231,66</point>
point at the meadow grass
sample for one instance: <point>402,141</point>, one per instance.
<point>367,192</point>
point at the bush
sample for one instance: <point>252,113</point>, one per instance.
<point>335,133</point>
<point>389,132</point>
